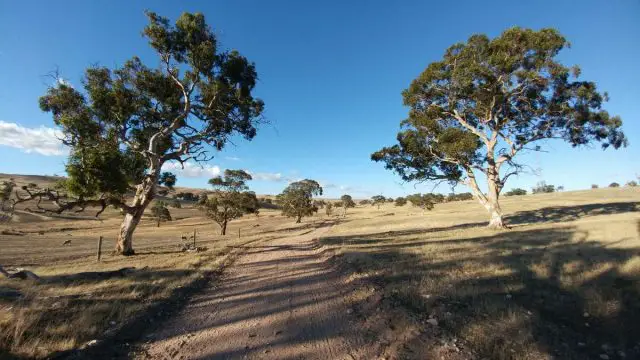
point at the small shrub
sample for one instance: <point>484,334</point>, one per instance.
<point>594,186</point>
<point>516,192</point>
<point>614,185</point>
<point>632,183</point>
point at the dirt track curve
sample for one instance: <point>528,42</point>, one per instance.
<point>280,300</point>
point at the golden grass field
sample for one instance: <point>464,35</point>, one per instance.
<point>563,282</point>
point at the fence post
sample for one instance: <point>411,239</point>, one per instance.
<point>194,238</point>
<point>99,247</point>
<point>238,233</point>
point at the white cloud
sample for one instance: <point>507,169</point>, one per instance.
<point>232,158</point>
<point>42,140</point>
<point>192,170</point>
<point>261,176</point>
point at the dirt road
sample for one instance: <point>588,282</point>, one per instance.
<point>281,300</point>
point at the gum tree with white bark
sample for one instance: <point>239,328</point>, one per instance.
<point>127,122</point>
<point>487,101</point>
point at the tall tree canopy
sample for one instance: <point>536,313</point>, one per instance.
<point>230,198</point>
<point>378,200</point>
<point>128,121</point>
<point>489,99</point>
<point>297,199</point>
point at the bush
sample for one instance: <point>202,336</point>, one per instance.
<point>176,204</point>
<point>543,188</point>
<point>459,197</point>
<point>516,192</point>
<point>632,183</point>
<point>401,201</point>
<point>364,202</point>
<point>614,185</point>
<point>594,186</point>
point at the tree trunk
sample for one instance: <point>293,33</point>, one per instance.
<point>144,194</point>
<point>489,201</point>
<point>299,219</point>
<point>223,228</point>
<point>124,245</point>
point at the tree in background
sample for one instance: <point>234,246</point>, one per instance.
<point>542,188</point>
<point>230,199</point>
<point>459,197</point>
<point>297,199</point>
<point>6,202</point>
<point>129,121</point>
<point>488,100</point>
<point>400,201</point>
<point>167,179</point>
<point>516,192</point>
<point>160,212</point>
<point>187,196</point>
<point>364,202</point>
<point>176,204</point>
<point>347,202</point>
<point>632,183</point>
<point>328,209</point>
<point>378,200</point>
<point>614,185</point>
<point>594,186</point>
<point>423,201</point>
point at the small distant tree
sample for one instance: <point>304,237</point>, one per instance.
<point>347,202</point>
<point>160,212</point>
<point>488,100</point>
<point>337,204</point>
<point>230,199</point>
<point>516,192</point>
<point>364,202</point>
<point>378,200</point>
<point>542,188</point>
<point>328,209</point>
<point>614,185</point>
<point>422,201</point>
<point>459,197</point>
<point>632,183</point>
<point>167,179</point>
<point>176,204</point>
<point>319,203</point>
<point>560,188</point>
<point>400,201</point>
<point>594,186</point>
<point>297,199</point>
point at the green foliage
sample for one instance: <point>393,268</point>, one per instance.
<point>614,185</point>
<point>516,192</point>
<point>542,187</point>
<point>127,121</point>
<point>160,211</point>
<point>6,188</point>
<point>328,209</point>
<point>632,183</point>
<point>338,204</point>
<point>230,198</point>
<point>167,179</point>
<point>176,204</point>
<point>460,197</point>
<point>423,201</point>
<point>378,200</point>
<point>364,202</point>
<point>297,199</point>
<point>347,201</point>
<point>187,196</point>
<point>400,201</point>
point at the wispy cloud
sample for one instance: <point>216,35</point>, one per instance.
<point>42,140</point>
<point>262,176</point>
<point>192,170</point>
<point>232,158</point>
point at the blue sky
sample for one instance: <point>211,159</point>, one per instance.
<point>331,74</point>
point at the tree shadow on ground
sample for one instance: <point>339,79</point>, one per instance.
<point>513,295</point>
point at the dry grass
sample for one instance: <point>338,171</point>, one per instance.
<point>58,314</point>
<point>564,282</point>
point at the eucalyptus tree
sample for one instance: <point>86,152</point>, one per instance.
<point>488,100</point>
<point>127,122</point>
<point>378,200</point>
<point>230,199</point>
<point>296,199</point>
<point>347,202</point>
